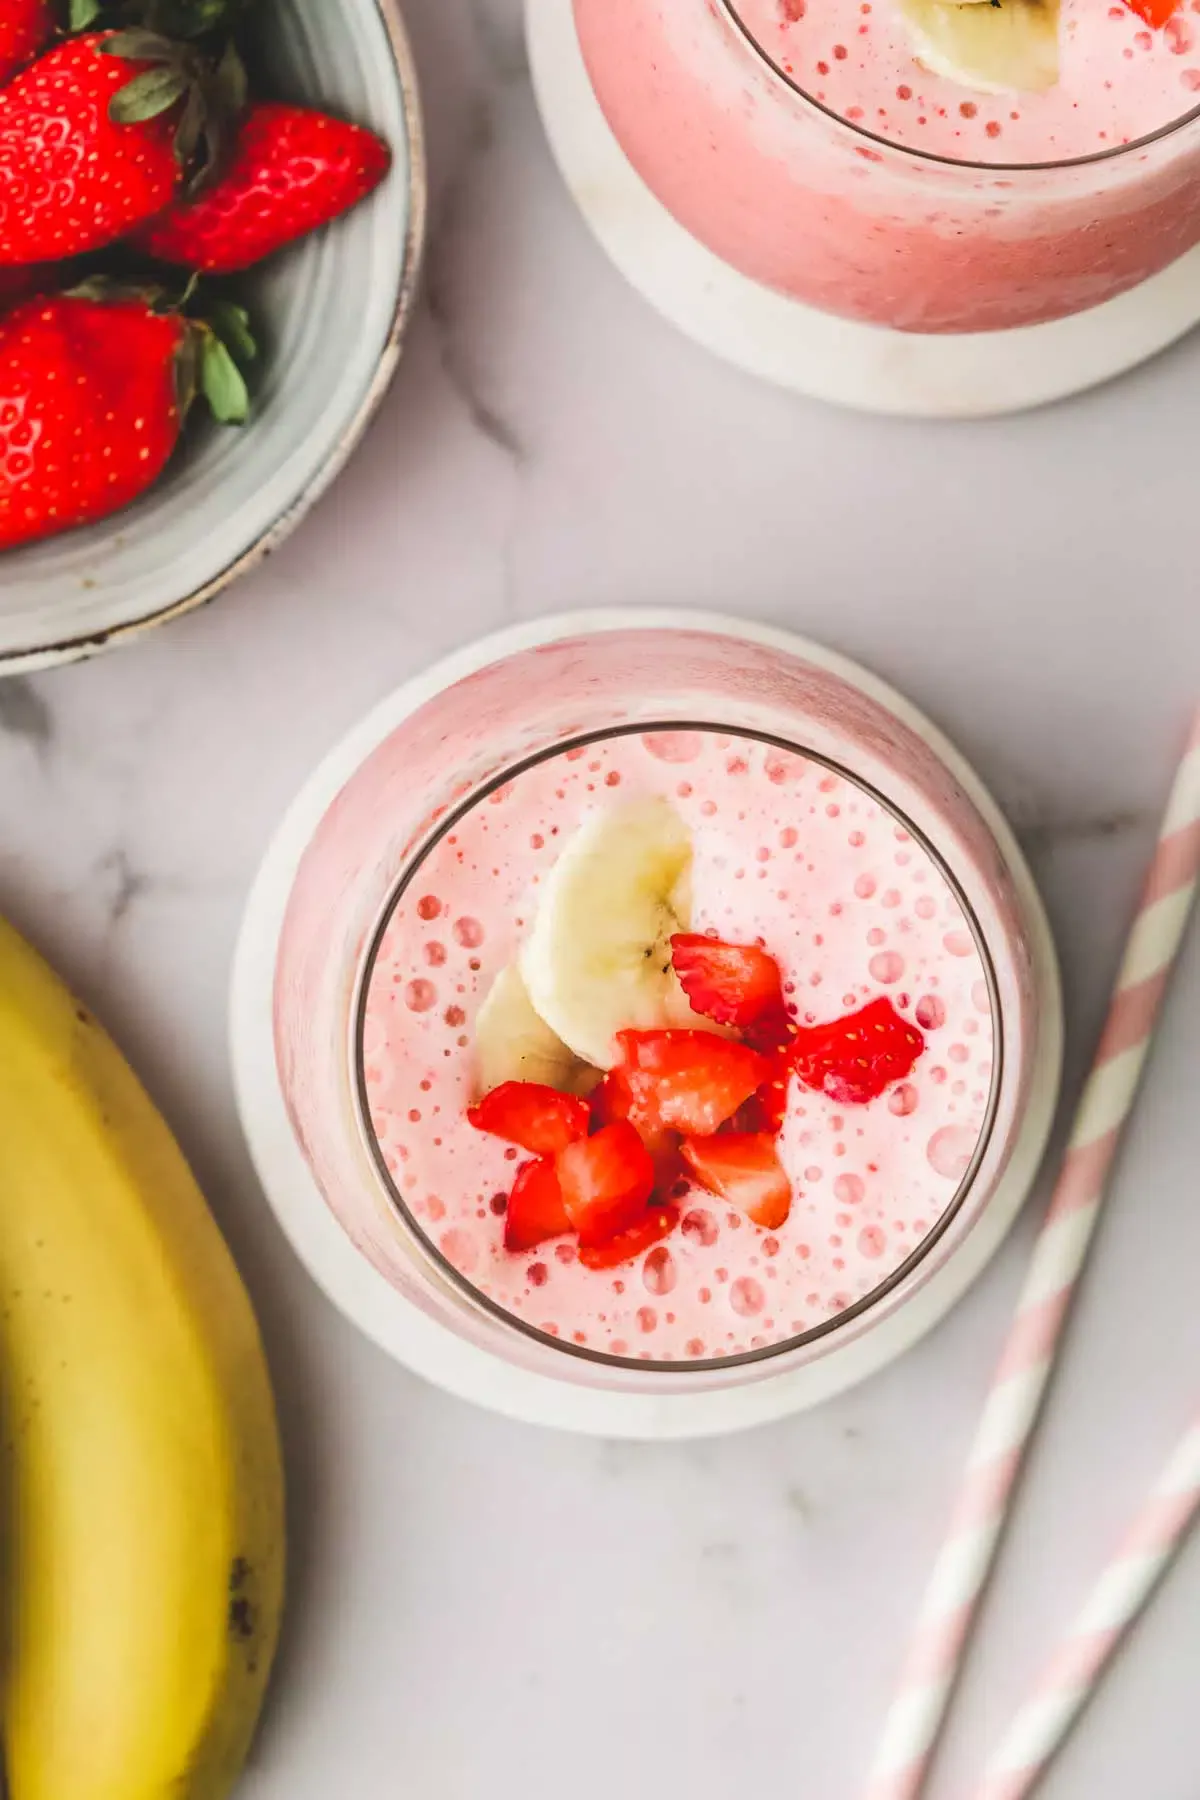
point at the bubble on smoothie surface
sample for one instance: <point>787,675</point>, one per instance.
<point>903,1100</point>
<point>700,1225</point>
<point>674,746</point>
<point>659,1273</point>
<point>950,1151</point>
<point>931,1012</point>
<point>420,996</point>
<point>468,933</point>
<point>781,768</point>
<point>746,1297</point>
<point>959,943</point>
<point>429,907</point>
<point>849,1189</point>
<point>887,966</point>
<point>872,1242</point>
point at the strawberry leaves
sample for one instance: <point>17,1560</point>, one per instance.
<point>210,93</point>
<point>213,352</point>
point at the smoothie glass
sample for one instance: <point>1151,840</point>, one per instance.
<point>831,212</point>
<point>363,825</point>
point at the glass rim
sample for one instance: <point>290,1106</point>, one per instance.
<point>868,1302</point>
<point>730,10</point>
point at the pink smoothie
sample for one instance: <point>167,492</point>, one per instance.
<point>850,905</point>
<point>798,138</point>
<point>1118,80</point>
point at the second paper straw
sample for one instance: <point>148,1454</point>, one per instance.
<point>1014,1403</point>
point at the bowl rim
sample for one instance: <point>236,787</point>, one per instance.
<point>94,643</point>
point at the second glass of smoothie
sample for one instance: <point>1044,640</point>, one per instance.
<point>859,157</point>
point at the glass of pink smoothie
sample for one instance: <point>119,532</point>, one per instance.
<point>806,146</point>
<point>826,821</point>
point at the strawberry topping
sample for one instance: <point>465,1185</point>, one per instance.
<point>535,1207</point>
<point>614,1100</point>
<point>606,1182</point>
<point>1156,13</point>
<point>767,1105</point>
<point>657,1224</point>
<point>688,1081</point>
<point>855,1059</point>
<point>735,984</point>
<point>537,1118</point>
<point>744,1169</point>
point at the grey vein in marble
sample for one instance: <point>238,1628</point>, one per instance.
<point>1089,828</point>
<point>24,714</point>
<point>125,885</point>
<point>508,67</point>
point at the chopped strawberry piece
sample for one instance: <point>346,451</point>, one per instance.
<point>735,984</point>
<point>689,1081</point>
<point>535,1207</point>
<point>766,1108</point>
<point>606,1182</point>
<point>1155,12</point>
<point>613,1100</point>
<point>538,1118</point>
<point>854,1059</point>
<point>743,1168</point>
<point>657,1224</point>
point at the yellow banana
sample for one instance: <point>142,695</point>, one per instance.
<point>143,1508</point>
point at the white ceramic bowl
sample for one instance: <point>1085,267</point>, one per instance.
<point>331,314</point>
<point>359,825</point>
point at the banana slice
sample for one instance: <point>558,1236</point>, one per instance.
<point>513,1043</point>
<point>1005,47</point>
<point>598,958</point>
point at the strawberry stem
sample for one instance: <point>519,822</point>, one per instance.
<point>209,88</point>
<point>218,342</point>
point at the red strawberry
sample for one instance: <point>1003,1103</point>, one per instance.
<point>93,394</point>
<point>735,984</point>
<point>26,26</point>
<point>657,1224</point>
<point>95,138</point>
<point>689,1081</point>
<point>613,1100</point>
<point>606,1183</point>
<point>743,1168</point>
<point>536,1117</point>
<point>1155,12</point>
<point>535,1207</point>
<point>18,284</point>
<point>766,1108</point>
<point>292,171</point>
<point>854,1059</point>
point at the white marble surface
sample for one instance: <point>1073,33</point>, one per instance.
<point>483,1609</point>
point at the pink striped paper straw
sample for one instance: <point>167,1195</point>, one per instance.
<point>947,1613</point>
<point>1113,1605</point>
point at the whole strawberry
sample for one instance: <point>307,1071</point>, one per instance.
<point>19,284</point>
<point>26,26</point>
<point>96,137</point>
<point>292,170</point>
<point>93,396</point>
